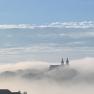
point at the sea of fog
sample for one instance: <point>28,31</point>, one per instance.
<point>46,43</point>
<point>36,78</point>
<point>26,52</point>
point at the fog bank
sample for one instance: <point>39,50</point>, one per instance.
<point>36,78</point>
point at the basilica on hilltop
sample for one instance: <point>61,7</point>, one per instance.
<point>62,64</point>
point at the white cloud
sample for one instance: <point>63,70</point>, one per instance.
<point>23,65</point>
<point>78,78</point>
<point>83,24</point>
<point>20,26</point>
<point>83,65</point>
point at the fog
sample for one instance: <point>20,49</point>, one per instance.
<point>36,78</point>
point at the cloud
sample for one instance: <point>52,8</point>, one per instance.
<point>81,34</point>
<point>44,52</point>
<point>23,65</point>
<point>83,24</point>
<point>78,70</point>
<point>35,48</point>
<point>78,78</point>
<point>14,26</point>
<point>83,65</point>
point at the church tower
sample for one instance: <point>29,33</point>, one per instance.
<point>62,62</point>
<point>67,61</point>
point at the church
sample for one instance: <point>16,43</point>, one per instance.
<point>62,64</point>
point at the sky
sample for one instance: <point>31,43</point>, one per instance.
<point>46,30</point>
<point>45,11</point>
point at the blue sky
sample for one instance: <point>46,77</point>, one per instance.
<point>45,11</point>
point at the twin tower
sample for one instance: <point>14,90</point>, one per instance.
<point>62,64</point>
<point>67,62</point>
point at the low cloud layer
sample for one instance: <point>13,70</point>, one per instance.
<point>42,42</point>
<point>36,78</point>
<point>83,24</point>
<point>23,66</point>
